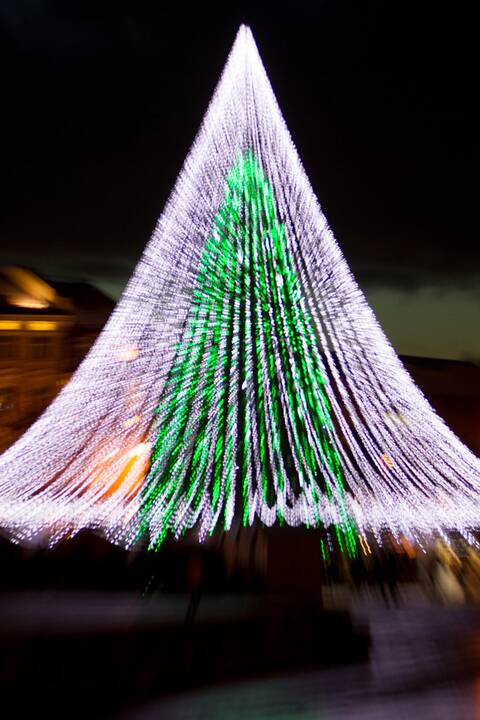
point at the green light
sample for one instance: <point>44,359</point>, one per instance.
<point>244,408</point>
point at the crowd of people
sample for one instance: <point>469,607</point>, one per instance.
<point>448,573</point>
<point>451,575</point>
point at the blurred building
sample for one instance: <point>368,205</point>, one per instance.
<point>91,309</point>
<point>45,330</point>
<point>453,388</point>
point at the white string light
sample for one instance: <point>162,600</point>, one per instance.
<point>87,461</point>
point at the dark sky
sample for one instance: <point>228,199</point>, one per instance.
<point>102,99</point>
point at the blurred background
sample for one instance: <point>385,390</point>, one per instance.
<point>100,103</point>
<point>47,327</point>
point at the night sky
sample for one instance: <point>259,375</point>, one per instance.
<point>101,101</point>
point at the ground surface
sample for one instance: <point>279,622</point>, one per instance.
<point>424,664</point>
<point>424,661</point>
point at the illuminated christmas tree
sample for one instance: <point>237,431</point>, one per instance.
<point>242,373</point>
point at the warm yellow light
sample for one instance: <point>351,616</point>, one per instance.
<point>41,325</point>
<point>132,421</point>
<point>27,302</point>
<point>139,450</point>
<point>127,353</point>
<point>408,547</point>
<point>10,325</point>
<point>387,460</point>
<point>365,546</point>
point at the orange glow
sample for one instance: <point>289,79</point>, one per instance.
<point>387,460</point>
<point>130,478</point>
<point>139,450</point>
<point>28,302</point>
<point>10,325</point>
<point>122,471</point>
<point>364,543</point>
<point>408,547</point>
<point>129,352</point>
<point>132,421</point>
<point>41,325</point>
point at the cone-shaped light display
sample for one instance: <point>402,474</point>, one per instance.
<point>242,373</point>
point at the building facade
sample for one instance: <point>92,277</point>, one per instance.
<point>44,333</point>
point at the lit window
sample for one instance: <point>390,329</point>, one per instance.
<point>41,325</point>
<point>10,325</point>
